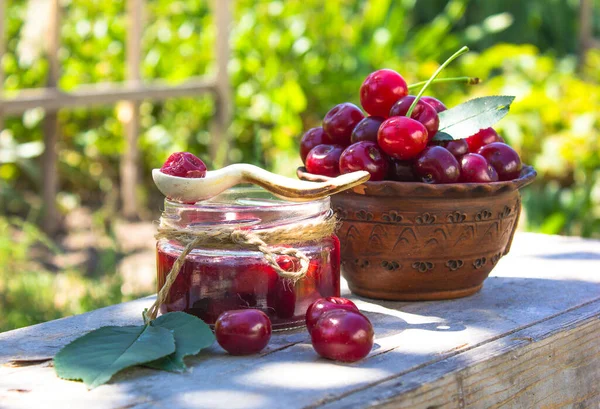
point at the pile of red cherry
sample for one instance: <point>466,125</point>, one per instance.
<point>391,146</point>
<point>337,329</point>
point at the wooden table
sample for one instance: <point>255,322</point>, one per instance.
<point>529,339</point>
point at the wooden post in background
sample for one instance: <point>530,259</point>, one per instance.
<point>587,40</point>
<point>585,29</point>
<point>2,51</point>
<point>220,138</point>
<point>50,218</point>
<point>131,112</point>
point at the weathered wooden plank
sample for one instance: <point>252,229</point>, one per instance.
<point>546,284</point>
<point>102,94</point>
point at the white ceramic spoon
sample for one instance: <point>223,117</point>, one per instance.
<point>216,181</point>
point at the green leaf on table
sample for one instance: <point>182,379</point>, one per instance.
<point>191,336</point>
<point>471,116</point>
<point>95,357</point>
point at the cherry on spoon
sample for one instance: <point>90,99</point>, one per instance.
<point>190,190</point>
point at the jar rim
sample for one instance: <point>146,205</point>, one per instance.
<point>265,208</point>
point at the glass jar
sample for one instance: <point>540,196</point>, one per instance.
<point>214,280</point>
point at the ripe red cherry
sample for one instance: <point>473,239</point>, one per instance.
<point>185,165</point>
<point>504,159</point>
<point>457,147</point>
<point>253,278</point>
<point>366,130</point>
<point>482,138</point>
<point>342,335</point>
<point>437,165</point>
<point>340,121</point>
<point>380,90</point>
<point>323,305</point>
<point>401,171</point>
<point>423,112</point>
<point>435,103</point>
<point>367,156</point>
<point>281,300</point>
<point>401,137</point>
<point>243,332</point>
<point>475,169</point>
<point>312,138</point>
<point>324,160</point>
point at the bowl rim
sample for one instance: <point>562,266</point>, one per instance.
<point>394,188</point>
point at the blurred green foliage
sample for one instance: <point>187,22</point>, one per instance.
<point>290,62</point>
<point>549,24</point>
<point>555,125</point>
<point>31,293</point>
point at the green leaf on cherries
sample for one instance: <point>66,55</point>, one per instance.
<point>471,116</point>
<point>191,335</point>
<point>95,357</point>
<point>442,136</point>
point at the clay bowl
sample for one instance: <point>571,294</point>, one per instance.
<point>415,241</point>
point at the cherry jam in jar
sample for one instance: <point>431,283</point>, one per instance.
<point>215,280</point>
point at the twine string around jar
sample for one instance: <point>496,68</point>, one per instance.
<point>270,242</point>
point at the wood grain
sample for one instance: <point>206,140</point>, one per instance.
<point>552,364</point>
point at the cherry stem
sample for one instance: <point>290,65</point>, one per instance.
<point>435,74</point>
<point>463,80</point>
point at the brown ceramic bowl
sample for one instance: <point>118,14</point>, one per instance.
<point>415,241</point>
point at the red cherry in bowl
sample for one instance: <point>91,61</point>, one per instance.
<point>475,169</point>
<point>423,112</point>
<point>504,159</point>
<point>184,165</point>
<point>312,138</point>
<point>402,138</point>
<point>435,103</point>
<point>437,165</point>
<point>323,305</point>
<point>367,129</point>
<point>380,90</point>
<point>342,335</point>
<point>367,156</point>
<point>482,138</point>
<point>324,160</point>
<point>243,332</point>
<point>457,147</point>
<point>340,121</point>
<point>401,171</point>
